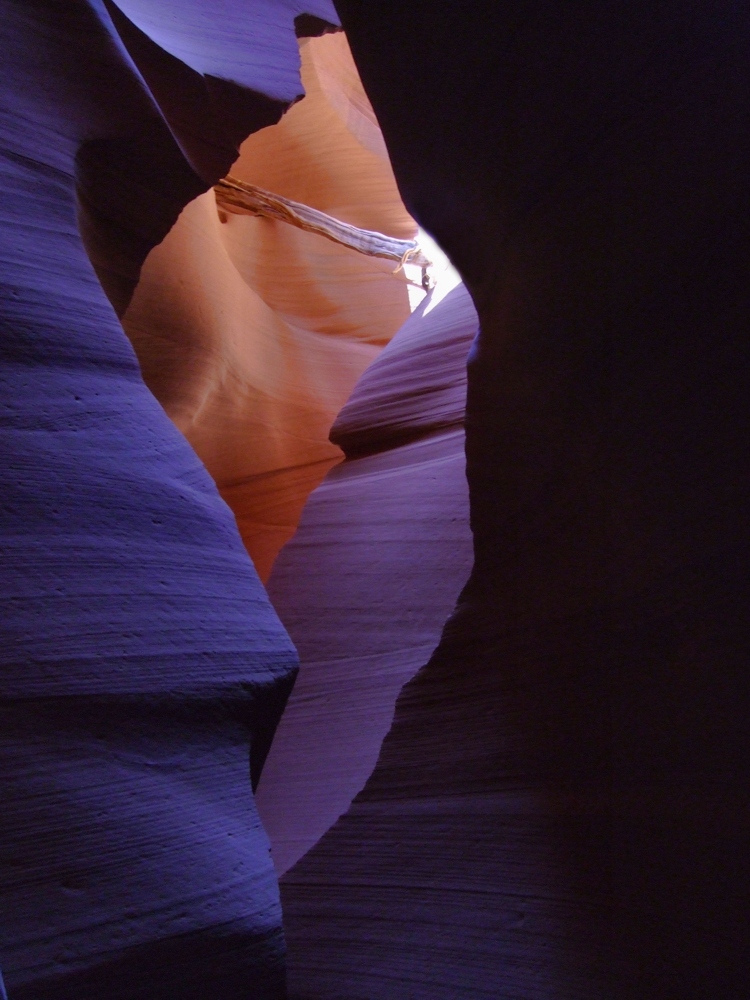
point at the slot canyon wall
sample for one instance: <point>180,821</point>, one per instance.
<point>251,333</point>
<point>559,805</point>
<point>373,572</point>
<point>141,657</point>
<point>560,809</point>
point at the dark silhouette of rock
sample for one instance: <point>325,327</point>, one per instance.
<point>366,584</point>
<point>560,809</point>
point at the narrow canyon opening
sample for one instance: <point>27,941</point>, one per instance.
<point>559,804</point>
<point>251,332</point>
<point>253,322</point>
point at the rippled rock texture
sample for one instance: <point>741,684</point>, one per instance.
<point>141,658</point>
<point>366,585</point>
<point>560,809</point>
<point>252,333</point>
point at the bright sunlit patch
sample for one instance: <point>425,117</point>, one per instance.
<point>443,274</point>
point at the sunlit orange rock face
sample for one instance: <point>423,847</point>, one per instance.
<point>252,333</point>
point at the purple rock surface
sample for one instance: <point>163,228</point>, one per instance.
<point>417,384</point>
<point>143,668</point>
<point>560,809</point>
<point>367,583</point>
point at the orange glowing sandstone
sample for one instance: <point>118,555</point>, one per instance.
<point>252,333</point>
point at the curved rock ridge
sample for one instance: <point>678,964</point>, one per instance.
<point>560,809</point>
<point>418,383</point>
<point>365,586</point>
<point>252,333</point>
<point>255,48</point>
<point>194,113</point>
<point>140,657</point>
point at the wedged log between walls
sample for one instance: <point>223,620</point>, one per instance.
<point>561,807</point>
<point>140,655</point>
<point>374,570</point>
<point>252,333</point>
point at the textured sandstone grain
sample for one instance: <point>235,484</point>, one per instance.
<point>140,655</point>
<point>560,809</point>
<point>372,574</point>
<point>252,333</point>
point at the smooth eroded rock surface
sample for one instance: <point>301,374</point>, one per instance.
<point>418,383</point>
<point>143,668</point>
<point>365,586</point>
<point>252,333</point>
<point>560,810</point>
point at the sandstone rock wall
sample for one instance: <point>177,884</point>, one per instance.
<point>367,583</point>
<point>140,656</point>
<point>252,333</point>
<point>560,809</point>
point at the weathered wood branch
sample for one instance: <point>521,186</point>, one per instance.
<point>233,195</point>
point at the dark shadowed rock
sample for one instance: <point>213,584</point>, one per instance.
<point>560,809</point>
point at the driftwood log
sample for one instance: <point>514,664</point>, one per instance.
<point>240,198</point>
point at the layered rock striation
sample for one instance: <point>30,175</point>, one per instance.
<point>143,668</point>
<point>373,572</point>
<point>252,333</point>
<point>560,807</point>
